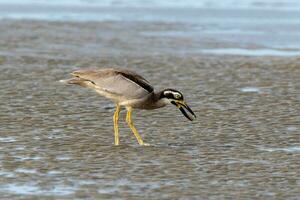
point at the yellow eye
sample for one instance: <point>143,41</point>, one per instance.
<point>177,96</point>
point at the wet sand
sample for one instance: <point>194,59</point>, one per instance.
<point>56,141</point>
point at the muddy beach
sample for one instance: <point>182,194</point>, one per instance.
<point>57,141</point>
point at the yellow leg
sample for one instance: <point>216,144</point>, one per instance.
<point>116,126</point>
<point>135,132</point>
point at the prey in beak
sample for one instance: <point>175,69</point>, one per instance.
<point>183,107</point>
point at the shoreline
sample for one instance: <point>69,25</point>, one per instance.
<point>110,38</point>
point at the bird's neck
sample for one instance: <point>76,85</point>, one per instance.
<point>157,101</point>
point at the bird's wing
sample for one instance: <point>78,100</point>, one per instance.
<point>118,81</point>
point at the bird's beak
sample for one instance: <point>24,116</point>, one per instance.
<point>182,106</point>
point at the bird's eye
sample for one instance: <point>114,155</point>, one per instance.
<point>177,96</point>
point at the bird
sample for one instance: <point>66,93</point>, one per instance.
<point>130,90</point>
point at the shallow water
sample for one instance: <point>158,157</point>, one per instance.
<point>248,27</point>
<point>56,141</point>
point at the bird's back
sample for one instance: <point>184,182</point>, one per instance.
<point>118,84</point>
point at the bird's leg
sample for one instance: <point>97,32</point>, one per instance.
<point>135,132</point>
<point>116,126</point>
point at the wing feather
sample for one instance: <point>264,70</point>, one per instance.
<point>120,82</point>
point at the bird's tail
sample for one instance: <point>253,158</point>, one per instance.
<point>74,80</point>
<point>79,81</point>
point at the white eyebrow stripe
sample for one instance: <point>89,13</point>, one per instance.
<point>174,93</point>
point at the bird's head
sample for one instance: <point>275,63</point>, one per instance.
<point>176,98</point>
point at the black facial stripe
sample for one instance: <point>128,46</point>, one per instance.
<point>169,96</point>
<point>172,94</point>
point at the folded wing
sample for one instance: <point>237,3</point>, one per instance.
<point>119,82</point>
